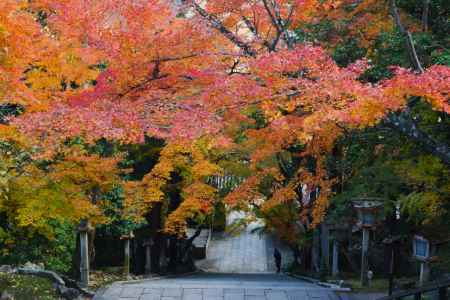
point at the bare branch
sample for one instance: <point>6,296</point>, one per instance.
<point>217,24</point>
<point>166,59</point>
<point>409,40</point>
<point>272,17</point>
<point>253,29</point>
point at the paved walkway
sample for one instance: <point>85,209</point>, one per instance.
<point>246,253</point>
<point>239,268</point>
<point>208,286</point>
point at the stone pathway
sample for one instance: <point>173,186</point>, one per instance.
<point>208,286</point>
<point>247,252</point>
<point>239,267</point>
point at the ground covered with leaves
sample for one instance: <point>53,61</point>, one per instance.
<point>27,287</point>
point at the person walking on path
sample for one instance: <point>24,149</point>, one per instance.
<point>277,256</point>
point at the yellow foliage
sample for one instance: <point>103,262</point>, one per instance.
<point>190,160</point>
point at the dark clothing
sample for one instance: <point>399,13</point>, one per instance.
<point>277,256</point>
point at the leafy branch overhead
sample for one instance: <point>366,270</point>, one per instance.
<point>221,82</point>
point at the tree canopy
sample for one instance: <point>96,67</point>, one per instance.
<point>222,82</point>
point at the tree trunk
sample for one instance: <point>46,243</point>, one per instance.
<point>91,245</point>
<point>403,123</point>
<point>425,13</point>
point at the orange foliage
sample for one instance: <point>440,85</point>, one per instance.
<point>187,73</point>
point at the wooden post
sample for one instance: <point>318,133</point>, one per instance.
<point>126,264</point>
<point>84,253</point>
<point>148,258</point>
<point>364,258</point>
<point>335,266</point>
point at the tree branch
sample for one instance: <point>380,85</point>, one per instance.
<point>253,29</point>
<point>272,16</point>
<point>217,24</point>
<point>409,40</point>
<point>275,24</point>
<point>155,75</point>
<point>284,24</point>
<point>403,123</point>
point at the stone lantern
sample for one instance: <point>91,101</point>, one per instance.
<point>367,210</point>
<point>126,265</point>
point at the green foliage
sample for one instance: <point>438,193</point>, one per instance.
<point>142,158</point>
<point>321,31</point>
<point>389,50</point>
<point>118,225</point>
<point>8,110</point>
<point>441,57</point>
<point>439,11</point>
<point>348,52</point>
<point>381,163</point>
<point>432,122</point>
<point>426,200</point>
<point>20,245</point>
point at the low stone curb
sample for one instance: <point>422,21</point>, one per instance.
<point>158,277</point>
<point>333,287</point>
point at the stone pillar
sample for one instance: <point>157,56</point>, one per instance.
<point>424,272</point>
<point>148,258</point>
<point>325,247</point>
<point>315,251</point>
<point>335,266</point>
<point>162,256</point>
<point>126,264</point>
<point>84,253</point>
<point>364,257</point>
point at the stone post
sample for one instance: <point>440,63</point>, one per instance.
<point>335,266</point>
<point>148,258</point>
<point>364,257</point>
<point>424,272</point>
<point>325,247</point>
<point>84,253</point>
<point>126,264</point>
<point>315,251</point>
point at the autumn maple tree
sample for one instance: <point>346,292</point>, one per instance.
<point>189,72</point>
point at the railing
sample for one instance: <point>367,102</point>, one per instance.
<point>440,285</point>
